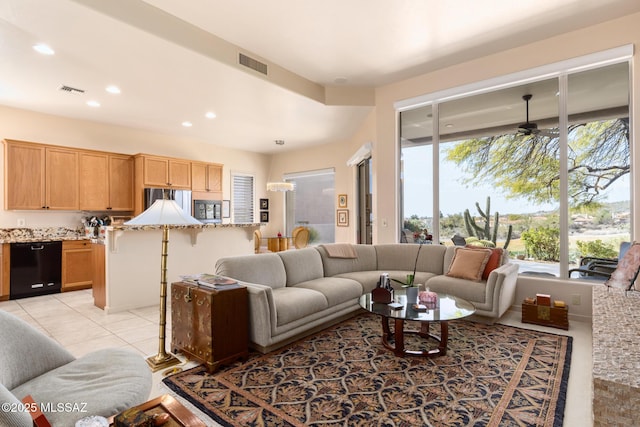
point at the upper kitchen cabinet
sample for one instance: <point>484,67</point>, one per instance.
<point>40,177</point>
<point>206,177</point>
<point>106,181</point>
<point>164,172</point>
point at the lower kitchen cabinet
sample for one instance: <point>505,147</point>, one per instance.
<point>99,280</point>
<point>4,271</point>
<point>77,265</point>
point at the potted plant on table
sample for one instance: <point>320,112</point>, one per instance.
<point>412,287</point>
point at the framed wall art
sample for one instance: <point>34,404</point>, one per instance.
<point>264,216</point>
<point>343,218</point>
<point>264,204</point>
<point>342,200</point>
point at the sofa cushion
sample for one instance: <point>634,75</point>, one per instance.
<point>495,260</point>
<point>108,381</point>
<point>13,418</point>
<point>335,289</point>
<point>25,352</point>
<point>302,265</point>
<point>474,292</point>
<point>403,257</point>
<point>468,263</point>
<point>293,303</point>
<point>365,261</point>
<point>264,269</point>
<point>367,279</point>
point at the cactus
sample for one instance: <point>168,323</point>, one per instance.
<point>483,233</point>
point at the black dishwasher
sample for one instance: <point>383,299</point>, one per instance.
<point>36,269</point>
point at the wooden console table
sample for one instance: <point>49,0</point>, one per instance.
<point>210,325</point>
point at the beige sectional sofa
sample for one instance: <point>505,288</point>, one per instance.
<point>297,292</point>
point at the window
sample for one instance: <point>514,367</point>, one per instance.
<point>242,198</point>
<point>501,168</point>
<point>312,204</point>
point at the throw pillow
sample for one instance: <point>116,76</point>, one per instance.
<point>495,260</point>
<point>469,263</point>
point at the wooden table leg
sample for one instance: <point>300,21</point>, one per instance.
<point>398,338</point>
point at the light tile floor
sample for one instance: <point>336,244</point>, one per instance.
<point>71,319</point>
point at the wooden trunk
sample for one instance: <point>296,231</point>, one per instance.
<point>556,317</point>
<point>210,325</point>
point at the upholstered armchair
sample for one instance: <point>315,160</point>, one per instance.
<point>104,382</point>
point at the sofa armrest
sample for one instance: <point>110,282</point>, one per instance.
<point>262,313</point>
<point>502,285</point>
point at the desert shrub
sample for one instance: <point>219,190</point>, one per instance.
<point>543,243</point>
<point>596,248</point>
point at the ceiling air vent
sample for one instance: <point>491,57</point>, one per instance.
<point>253,64</point>
<point>70,89</point>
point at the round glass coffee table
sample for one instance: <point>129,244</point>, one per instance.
<point>448,307</point>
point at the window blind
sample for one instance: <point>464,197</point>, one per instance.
<point>242,199</point>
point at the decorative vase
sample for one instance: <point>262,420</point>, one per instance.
<point>412,294</point>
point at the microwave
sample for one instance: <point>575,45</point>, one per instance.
<point>209,211</point>
<point>181,197</point>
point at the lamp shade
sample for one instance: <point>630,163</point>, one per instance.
<point>163,212</point>
<point>280,186</point>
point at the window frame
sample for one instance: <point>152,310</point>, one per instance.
<point>560,71</point>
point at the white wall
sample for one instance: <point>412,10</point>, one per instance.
<point>47,129</point>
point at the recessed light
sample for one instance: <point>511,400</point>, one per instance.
<point>187,124</point>
<point>43,49</point>
<point>210,115</point>
<point>94,104</point>
<point>113,89</point>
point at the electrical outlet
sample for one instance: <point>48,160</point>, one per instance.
<point>21,222</point>
<point>575,299</point>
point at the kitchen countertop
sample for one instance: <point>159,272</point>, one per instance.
<point>193,227</point>
<point>45,234</point>
<point>17,235</point>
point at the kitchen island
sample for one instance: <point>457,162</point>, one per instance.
<point>132,258</point>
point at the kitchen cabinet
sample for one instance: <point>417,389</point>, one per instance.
<point>5,266</point>
<point>77,265</point>
<point>106,181</point>
<point>206,177</point>
<point>99,287</point>
<point>61,182</point>
<point>40,177</point>
<point>164,172</point>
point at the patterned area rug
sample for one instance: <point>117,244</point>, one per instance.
<point>492,375</point>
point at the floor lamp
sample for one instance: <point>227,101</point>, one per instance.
<point>164,213</point>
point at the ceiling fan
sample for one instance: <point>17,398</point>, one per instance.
<point>530,128</point>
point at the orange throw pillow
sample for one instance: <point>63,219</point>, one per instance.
<point>469,263</point>
<point>495,260</point>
